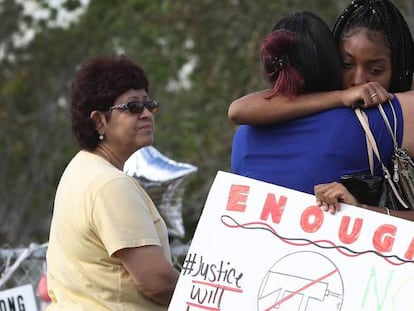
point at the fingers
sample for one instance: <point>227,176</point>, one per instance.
<point>373,94</point>
<point>328,196</point>
<point>330,208</point>
<point>365,95</point>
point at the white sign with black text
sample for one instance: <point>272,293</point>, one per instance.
<point>18,299</point>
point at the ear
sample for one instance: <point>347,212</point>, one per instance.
<point>98,118</point>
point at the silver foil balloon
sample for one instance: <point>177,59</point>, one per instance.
<point>163,179</point>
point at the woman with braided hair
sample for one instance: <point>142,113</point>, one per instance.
<point>364,23</point>
<point>383,65</point>
<point>361,25</point>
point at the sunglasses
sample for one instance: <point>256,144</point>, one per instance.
<point>137,106</point>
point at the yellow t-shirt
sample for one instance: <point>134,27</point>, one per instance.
<point>99,210</point>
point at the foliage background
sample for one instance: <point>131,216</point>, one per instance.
<point>39,55</point>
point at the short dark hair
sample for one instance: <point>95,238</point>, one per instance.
<point>97,84</point>
<point>382,16</point>
<point>301,43</point>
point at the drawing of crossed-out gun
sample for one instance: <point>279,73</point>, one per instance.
<point>281,290</point>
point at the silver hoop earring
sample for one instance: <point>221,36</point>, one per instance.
<point>101,137</point>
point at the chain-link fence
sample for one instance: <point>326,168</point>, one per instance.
<point>22,266</point>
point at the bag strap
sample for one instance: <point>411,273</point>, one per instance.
<point>369,136</point>
<point>370,157</point>
<point>398,150</point>
<point>393,134</point>
<point>369,149</point>
<point>392,131</point>
<point>363,120</point>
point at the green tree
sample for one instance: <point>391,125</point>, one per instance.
<point>199,56</point>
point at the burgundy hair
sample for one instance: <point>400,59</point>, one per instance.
<point>97,85</point>
<point>284,77</point>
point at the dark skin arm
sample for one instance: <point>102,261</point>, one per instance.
<point>257,108</point>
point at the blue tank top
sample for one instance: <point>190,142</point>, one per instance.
<point>319,148</point>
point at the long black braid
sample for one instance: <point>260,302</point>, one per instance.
<point>382,16</point>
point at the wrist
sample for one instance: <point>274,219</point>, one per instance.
<point>342,99</point>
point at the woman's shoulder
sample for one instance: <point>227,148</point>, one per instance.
<point>406,101</point>
<point>405,98</point>
<point>97,170</point>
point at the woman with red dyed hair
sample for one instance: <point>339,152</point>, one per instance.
<point>299,56</point>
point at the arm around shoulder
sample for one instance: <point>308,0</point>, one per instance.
<point>153,274</point>
<point>252,108</point>
<point>258,109</point>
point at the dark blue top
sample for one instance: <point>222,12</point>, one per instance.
<point>315,149</point>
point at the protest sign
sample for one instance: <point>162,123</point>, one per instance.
<point>19,298</point>
<point>262,247</point>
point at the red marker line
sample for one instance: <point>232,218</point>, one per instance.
<point>202,307</point>
<point>301,289</point>
<point>232,289</point>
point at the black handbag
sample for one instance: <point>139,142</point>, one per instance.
<point>394,191</point>
<point>366,188</point>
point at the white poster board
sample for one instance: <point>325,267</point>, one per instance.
<point>19,298</point>
<point>263,247</point>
